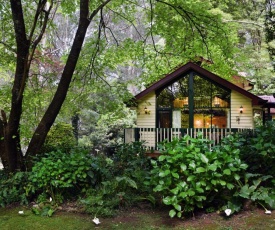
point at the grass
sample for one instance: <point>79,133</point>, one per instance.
<point>136,218</point>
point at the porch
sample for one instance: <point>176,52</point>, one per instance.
<point>152,136</point>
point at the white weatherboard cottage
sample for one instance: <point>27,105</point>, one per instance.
<point>192,99</point>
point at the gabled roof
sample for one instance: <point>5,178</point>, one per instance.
<point>189,67</point>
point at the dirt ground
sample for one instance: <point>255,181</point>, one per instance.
<point>146,218</point>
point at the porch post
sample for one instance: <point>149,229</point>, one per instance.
<point>191,99</point>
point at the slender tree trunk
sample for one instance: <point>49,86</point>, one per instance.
<point>49,117</point>
<point>270,29</point>
<point>75,124</point>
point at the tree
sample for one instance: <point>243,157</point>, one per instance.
<point>203,34</point>
<point>26,44</point>
<point>270,29</point>
<point>253,18</point>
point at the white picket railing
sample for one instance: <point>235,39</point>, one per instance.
<point>152,136</point>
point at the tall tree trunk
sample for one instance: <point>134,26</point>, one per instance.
<point>270,29</point>
<point>75,125</point>
<point>10,147</point>
<point>51,113</point>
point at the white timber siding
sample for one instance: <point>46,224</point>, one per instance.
<point>246,118</point>
<point>147,120</point>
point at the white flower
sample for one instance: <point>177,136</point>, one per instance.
<point>267,212</point>
<point>51,199</point>
<point>96,220</point>
<point>227,211</point>
<point>21,212</point>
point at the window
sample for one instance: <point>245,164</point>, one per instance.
<point>194,102</point>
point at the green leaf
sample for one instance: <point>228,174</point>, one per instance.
<point>192,165</point>
<point>183,194</point>
<point>200,190</point>
<point>177,207</point>
<point>182,184</point>
<point>212,167</point>
<point>204,159</point>
<point>237,177</point>
<point>175,190</point>
<point>166,172</point>
<point>172,213</point>
<point>190,178</point>
<point>161,157</point>
<point>191,193</point>
<point>227,172</point>
<point>175,175</point>
<point>166,200</point>
<point>230,186</point>
<point>200,170</point>
<point>243,166</point>
<point>183,167</point>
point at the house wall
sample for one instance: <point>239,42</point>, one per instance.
<point>246,118</point>
<point>237,100</point>
<point>147,120</point>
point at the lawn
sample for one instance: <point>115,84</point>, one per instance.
<point>135,218</point>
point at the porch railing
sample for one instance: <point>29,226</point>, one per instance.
<point>152,136</point>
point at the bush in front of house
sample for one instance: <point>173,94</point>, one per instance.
<point>258,149</point>
<point>129,168</point>
<point>190,175</point>
<point>62,175</point>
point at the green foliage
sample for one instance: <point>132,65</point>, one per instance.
<point>189,174</point>
<point>59,138</point>
<point>112,194</point>
<point>103,130</point>
<point>258,149</point>
<point>130,160</point>
<point>59,175</point>
<point>124,184</point>
<point>44,209</point>
<point>253,190</point>
<point>12,188</point>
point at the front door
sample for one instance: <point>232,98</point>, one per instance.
<point>164,118</point>
<point>164,122</point>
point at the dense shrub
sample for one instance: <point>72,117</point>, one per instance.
<point>189,174</point>
<point>12,188</point>
<point>59,138</point>
<point>129,167</point>
<point>60,175</point>
<point>258,149</point>
<point>130,160</point>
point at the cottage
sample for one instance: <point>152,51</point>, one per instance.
<point>192,99</point>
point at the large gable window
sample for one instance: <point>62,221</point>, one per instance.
<point>194,102</point>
